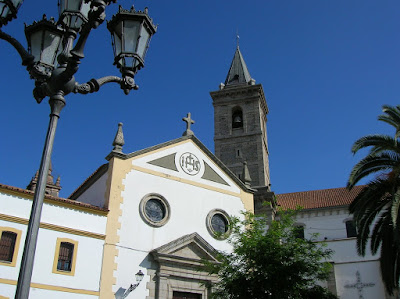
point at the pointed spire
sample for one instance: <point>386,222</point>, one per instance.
<point>50,179</point>
<point>189,121</point>
<point>246,179</point>
<point>118,140</point>
<point>51,187</point>
<point>58,181</point>
<point>238,72</point>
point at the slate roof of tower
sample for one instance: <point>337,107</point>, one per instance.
<point>238,72</point>
<point>316,199</point>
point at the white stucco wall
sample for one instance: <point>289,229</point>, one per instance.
<point>330,224</point>
<point>67,216</point>
<point>369,273</point>
<point>95,194</point>
<point>64,218</point>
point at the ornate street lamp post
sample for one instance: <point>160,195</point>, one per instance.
<point>122,293</point>
<point>52,59</point>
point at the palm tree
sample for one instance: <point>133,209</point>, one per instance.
<point>376,207</point>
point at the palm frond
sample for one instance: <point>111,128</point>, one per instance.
<point>378,142</point>
<point>389,261</point>
<point>372,164</point>
<point>366,207</point>
<point>395,208</point>
<point>380,228</point>
<point>376,208</point>
<point>391,116</point>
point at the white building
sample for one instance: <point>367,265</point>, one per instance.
<point>70,245</point>
<point>163,209</point>
<point>325,212</point>
<point>158,210</point>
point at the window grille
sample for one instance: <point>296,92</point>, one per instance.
<point>65,256</point>
<point>7,246</point>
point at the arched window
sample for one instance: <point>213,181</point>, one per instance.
<point>237,118</point>
<point>351,229</point>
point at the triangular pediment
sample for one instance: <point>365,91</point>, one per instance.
<point>189,247</point>
<point>187,160</point>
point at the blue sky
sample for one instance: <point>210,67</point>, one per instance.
<point>327,67</point>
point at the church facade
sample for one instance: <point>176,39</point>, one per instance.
<point>161,210</point>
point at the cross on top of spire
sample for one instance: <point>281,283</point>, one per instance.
<point>189,121</point>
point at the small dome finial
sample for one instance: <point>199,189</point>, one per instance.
<point>118,140</point>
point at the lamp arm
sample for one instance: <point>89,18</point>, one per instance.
<point>94,84</point>
<point>27,59</point>
<point>96,17</point>
<point>130,289</point>
<point>126,83</point>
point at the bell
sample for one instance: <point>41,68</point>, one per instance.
<point>237,121</point>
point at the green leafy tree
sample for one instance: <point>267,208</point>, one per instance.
<point>271,263</point>
<point>376,207</point>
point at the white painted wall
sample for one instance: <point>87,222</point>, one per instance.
<point>330,224</point>
<point>41,294</point>
<point>346,275</point>
<point>95,194</point>
<point>189,205</point>
<point>54,214</point>
<point>89,253</point>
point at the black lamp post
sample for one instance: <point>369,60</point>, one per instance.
<point>53,57</point>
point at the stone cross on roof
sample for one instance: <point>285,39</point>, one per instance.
<point>189,121</point>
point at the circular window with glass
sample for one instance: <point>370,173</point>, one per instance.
<point>154,209</point>
<point>218,224</point>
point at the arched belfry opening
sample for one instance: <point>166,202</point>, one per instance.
<point>237,118</point>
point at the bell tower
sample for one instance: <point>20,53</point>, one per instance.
<point>240,116</point>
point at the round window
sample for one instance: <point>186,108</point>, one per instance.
<point>154,209</point>
<point>218,224</point>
